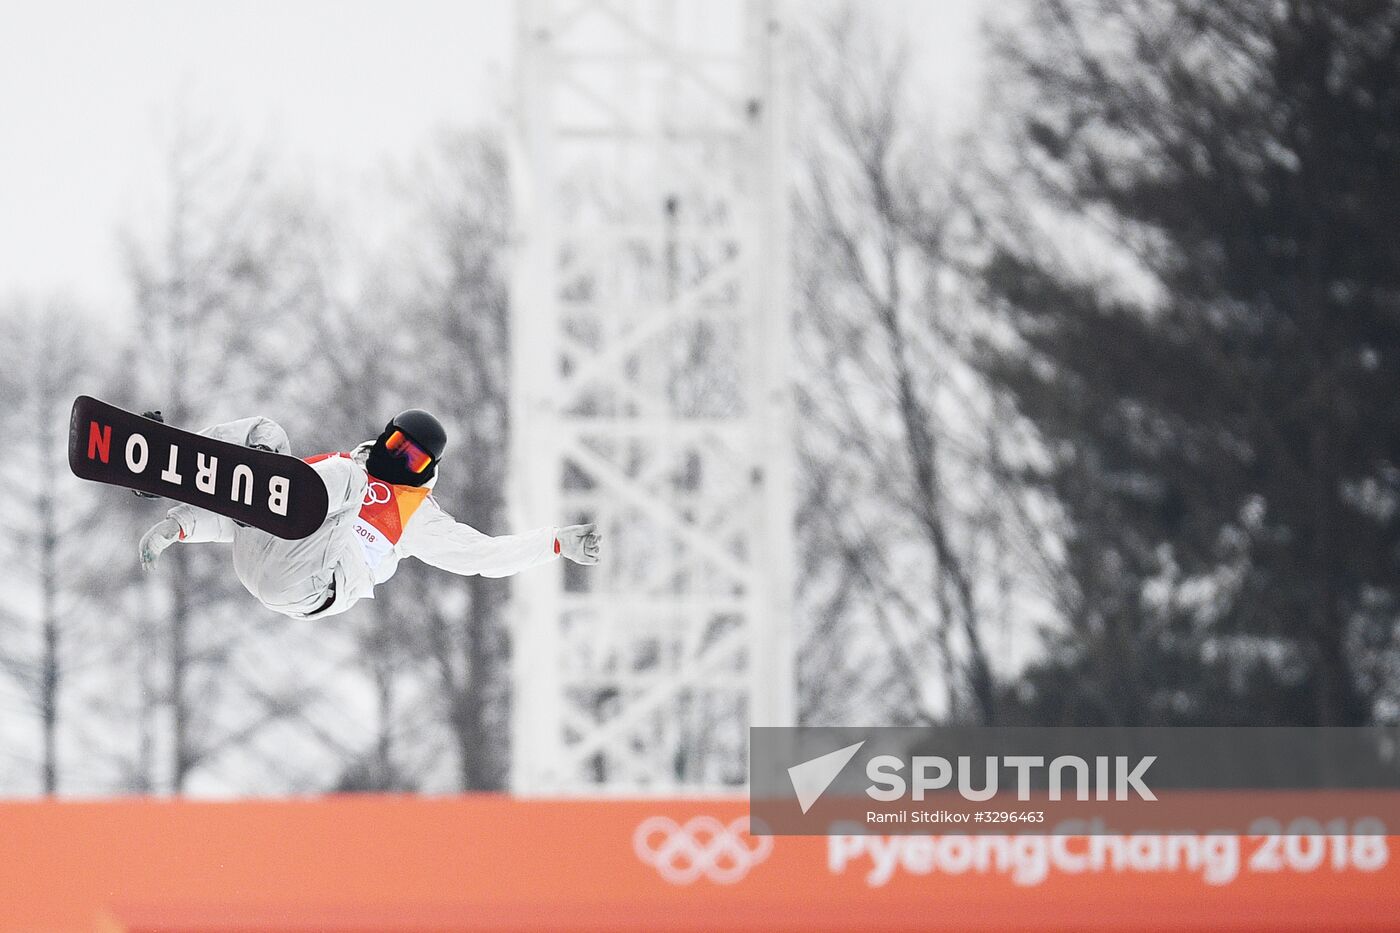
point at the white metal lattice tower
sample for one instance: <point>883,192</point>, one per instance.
<point>651,391</point>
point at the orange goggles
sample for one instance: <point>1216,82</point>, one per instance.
<point>416,457</point>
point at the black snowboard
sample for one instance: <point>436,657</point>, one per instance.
<point>275,492</point>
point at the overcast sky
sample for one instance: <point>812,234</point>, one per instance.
<point>337,88</point>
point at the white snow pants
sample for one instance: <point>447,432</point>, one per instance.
<point>291,577</point>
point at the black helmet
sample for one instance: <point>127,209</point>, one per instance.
<point>407,452</point>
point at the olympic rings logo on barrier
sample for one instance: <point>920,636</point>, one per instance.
<point>703,847</point>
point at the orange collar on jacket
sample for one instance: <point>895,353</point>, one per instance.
<point>386,506</point>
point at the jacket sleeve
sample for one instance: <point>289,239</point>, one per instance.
<point>434,537</point>
<point>251,432</point>
<point>198,526</point>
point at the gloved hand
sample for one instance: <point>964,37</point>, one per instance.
<point>160,536</point>
<point>579,543</point>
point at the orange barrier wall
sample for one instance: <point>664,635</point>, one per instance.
<point>492,863</point>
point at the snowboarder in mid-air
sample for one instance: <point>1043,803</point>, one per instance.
<point>381,509</point>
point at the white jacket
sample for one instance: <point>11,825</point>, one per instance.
<point>294,577</point>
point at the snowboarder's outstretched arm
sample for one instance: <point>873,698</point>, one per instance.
<point>435,538</point>
<point>183,523</point>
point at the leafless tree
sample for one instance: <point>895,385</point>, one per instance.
<point>906,519</point>
<point>49,352</point>
<point>459,305</point>
<point>218,295</point>
<point>426,327</point>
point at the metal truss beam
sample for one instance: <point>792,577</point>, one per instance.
<point>651,391</point>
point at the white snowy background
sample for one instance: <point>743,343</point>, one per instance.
<point>1027,253</point>
<point>219,209</point>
